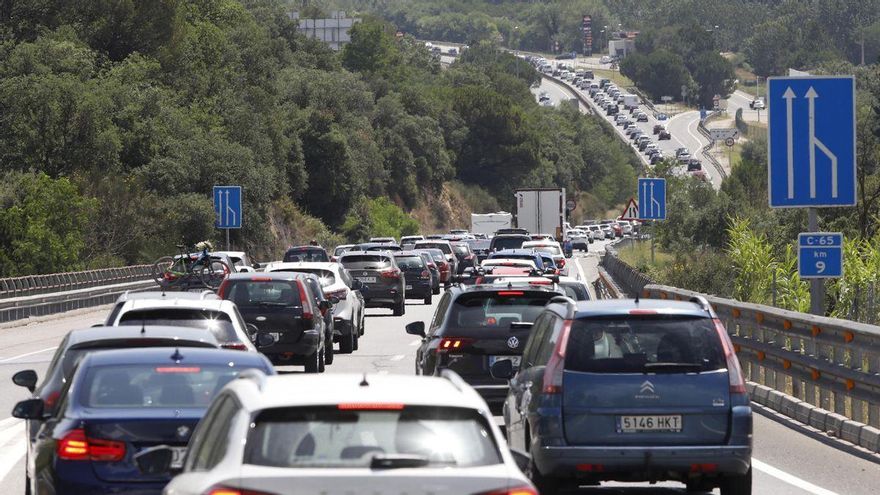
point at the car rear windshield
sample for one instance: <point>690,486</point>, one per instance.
<point>552,250</point>
<point>345,436</point>
<point>366,262</point>
<point>431,245</point>
<point>459,249</point>
<point>497,309</point>
<point>249,293</point>
<point>479,245</point>
<point>508,243</point>
<point>306,254</point>
<point>159,385</point>
<point>326,277</point>
<point>218,322</point>
<point>641,344</point>
<point>578,292</point>
<point>410,262</point>
<point>74,354</point>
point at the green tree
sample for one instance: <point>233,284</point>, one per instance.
<point>371,47</point>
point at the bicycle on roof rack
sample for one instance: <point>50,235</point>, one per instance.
<point>190,270</point>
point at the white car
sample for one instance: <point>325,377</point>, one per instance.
<point>597,231</point>
<point>240,260</point>
<point>573,288</point>
<point>185,309</point>
<point>345,434</point>
<point>348,313</point>
<point>489,264</point>
<point>550,247</point>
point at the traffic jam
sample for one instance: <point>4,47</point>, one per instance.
<point>522,383</point>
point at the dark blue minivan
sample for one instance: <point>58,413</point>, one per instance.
<point>630,390</point>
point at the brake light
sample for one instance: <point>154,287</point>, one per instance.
<point>261,279</point>
<point>508,293</point>
<point>393,273</point>
<point>223,287</point>
<point>370,406</point>
<point>561,263</point>
<point>553,371</point>
<point>734,371</point>
<point>520,490</point>
<point>340,294</point>
<point>453,343</point>
<point>235,346</point>
<point>643,311</point>
<point>425,275</point>
<point>304,300</point>
<point>52,398</point>
<point>223,490</point>
<point>540,282</point>
<point>178,369</point>
<point>75,446</point>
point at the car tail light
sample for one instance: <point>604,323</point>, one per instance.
<point>370,406</point>
<point>561,263</point>
<point>426,275</point>
<point>443,266</point>
<point>553,371</point>
<point>224,286</point>
<point>392,273</point>
<point>520,490</point>
<point>734,371</point>
<point>52,398</point>
<point>507,293</point>
<point>340,294</point>
<point>453,343</point>
<point>235,346</point>
<point>224,490</point>
<point>304,300</point>
<point>75,446</point>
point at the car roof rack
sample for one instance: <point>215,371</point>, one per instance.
<point>569,303</point>
<point>703,303</point>
<point>455,379</point>
<point>255,376</point>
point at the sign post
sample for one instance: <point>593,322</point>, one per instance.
<point>812,151</point>
<point>227,209</point>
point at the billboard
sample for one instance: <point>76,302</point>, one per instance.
<point>587,27</point>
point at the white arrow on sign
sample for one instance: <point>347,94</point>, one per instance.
<point>814,143</point>
<point>789,125</point>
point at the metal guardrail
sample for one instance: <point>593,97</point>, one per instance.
<point>826,362</point>
<point>705,150</point>
<point>630,281</point>
<point>19,308</point>
<point>60,282</point>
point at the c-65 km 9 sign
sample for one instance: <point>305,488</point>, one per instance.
<point>820,255</point>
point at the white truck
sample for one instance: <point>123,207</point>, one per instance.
<point>489,223</point>
<point>631,101</point>
<point>541,211</point>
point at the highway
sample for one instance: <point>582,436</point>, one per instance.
<point>785,462</point>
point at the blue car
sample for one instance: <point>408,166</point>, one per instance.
<point>120,404</point>
<point>630,390</point>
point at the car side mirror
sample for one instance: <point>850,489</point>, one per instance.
<point>502,370</point>
<point>356,284</point>
<point>265,340</point>
<point>26,379</point>
<point>252,330</point>
<point>96,325</point>
<point>256,266</point>
<point>416,328</point>
<point>325,304</point>
<point>154,461</point>
<point>521,459</point>
<point>333,300</point>
<point>550,270</point>
<point>29,409</point>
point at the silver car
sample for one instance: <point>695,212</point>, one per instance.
<point>346,433</point>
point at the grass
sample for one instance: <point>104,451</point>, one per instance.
<point>747,83</point>
<point>638,254</point>
<point>616,77</point>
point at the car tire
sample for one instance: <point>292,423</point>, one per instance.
<point>328,351</point>
<point>737,484</point>
<point>427,300</point>
<point>400,308</point>
<point>346,343</point>
<point>356,339</point>
<point>315,361</point>
<point>436,291</point>
<point>545,485</point>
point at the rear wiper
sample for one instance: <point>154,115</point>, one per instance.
<point>673,367</point>
<point>396,461</point>
<point>521,324</point>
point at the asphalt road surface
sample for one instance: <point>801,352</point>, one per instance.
<point>785,462</point>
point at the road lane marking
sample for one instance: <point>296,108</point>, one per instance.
<point>790,478</point>
<point>13,358</point>
<point>415,343</point>
<point>580,270</point>
<point>11,453</point>
<point>397,357</point>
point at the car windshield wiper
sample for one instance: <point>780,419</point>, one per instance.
<point>396,461</point>
<point>521,324</point>
<point>672,367</point>
<point>272,303</point>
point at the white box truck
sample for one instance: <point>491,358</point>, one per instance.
<point>541,211</point>
<point>489,223</point>
<point>631,101</point>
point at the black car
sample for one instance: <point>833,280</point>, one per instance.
<point>508,241</point>
<point>306,253</point>
<point>694,164</point>
<point>432,267</point>
<point>118,405</point>
<point>658,128</point>
<point>416,275</point>
<point>664,135</point>
<point>480,247</point>
<point>290,327</point>
<point>656,158</point>
<point>382,277</point>
<point>466,258</point>
<point>612,109</point>
<point>475,327</point>
<point>325,306</point>
<point>511,230</point>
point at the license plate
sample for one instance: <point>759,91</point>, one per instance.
<point>367,280</point>
<point>408,287</point>
<point>177,454</point>
<point>515,359</point>
<point>636,424</point>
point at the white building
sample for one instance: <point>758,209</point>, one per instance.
<point>333,31</point>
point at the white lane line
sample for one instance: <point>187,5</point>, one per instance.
<point>397,357</point>
<point>5,423</point>
<point>11,432</point>
<point>13,358</point>
<point>790,478</point>
<point>415,343</point>
<point>10,456</point>
<point>577,263</point>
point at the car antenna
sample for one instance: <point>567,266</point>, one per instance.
<point>637,298</point>
<point>143,326</point>
<point>364,382</point>
<point>177,356</point>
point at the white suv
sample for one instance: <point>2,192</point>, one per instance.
<point>348,313</point>
<point>347,433</point>
<point>185,309</point>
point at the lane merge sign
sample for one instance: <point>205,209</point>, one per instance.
<point>631,212</point>
<point>812,141</point>
<point>652,199</point>
<point>227,207</point>
<point>820,255</point>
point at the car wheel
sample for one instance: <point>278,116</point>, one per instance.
<point>322,359</point>
<point>737,484</point>
<point>544,484</point>
<point>314,361</point>
<point>427,300</point>
<point>346,343</point>
<point>355,341</point>
<point>400,308</point>
<point>328,351</point>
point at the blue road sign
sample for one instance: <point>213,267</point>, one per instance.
<point>820,255</point>
<point>652,199</point>
<point>812,141</point>
<point>227,207</point>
